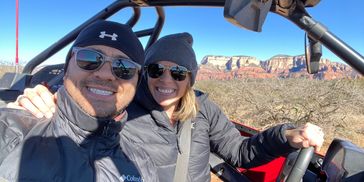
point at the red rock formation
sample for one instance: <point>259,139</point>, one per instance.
<point>225,68</point>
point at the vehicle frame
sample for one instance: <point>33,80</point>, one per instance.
<point>319,167</point>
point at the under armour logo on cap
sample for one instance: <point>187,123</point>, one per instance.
<point>103,34</point>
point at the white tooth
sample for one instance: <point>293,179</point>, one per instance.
<point>166,91</point>
<point>100,92</point>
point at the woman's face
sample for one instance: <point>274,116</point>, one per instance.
<point>165,90</point>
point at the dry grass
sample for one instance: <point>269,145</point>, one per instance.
<point>337,106</point>
<point>5,68</point>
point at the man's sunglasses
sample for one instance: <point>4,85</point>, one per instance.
<point>178,73</point>
<point>92,60</point>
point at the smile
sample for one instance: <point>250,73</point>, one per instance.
<point>166,91</point>
<point>100,92</point>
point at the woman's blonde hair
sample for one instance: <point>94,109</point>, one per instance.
<point>188,106</point>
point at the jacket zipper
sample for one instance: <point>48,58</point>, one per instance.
<point>178,137</point>
<point>92,161</point>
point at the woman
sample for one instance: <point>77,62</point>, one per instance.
<point>165,100</point>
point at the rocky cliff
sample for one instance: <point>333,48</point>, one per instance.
<point>280,66</point>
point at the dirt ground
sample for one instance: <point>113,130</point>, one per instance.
<point>214,178</point>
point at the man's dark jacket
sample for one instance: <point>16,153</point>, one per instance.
<point>72,146</point>
<point>148,126</point>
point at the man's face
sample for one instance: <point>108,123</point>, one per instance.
<point>99,93</point>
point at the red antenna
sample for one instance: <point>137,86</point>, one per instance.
<point>16,36</point>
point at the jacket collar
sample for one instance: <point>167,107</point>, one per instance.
<point>81,122</point>
<point>145,99</point>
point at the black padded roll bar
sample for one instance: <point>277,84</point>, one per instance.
<point>63,42</point>
<point>295,11</point>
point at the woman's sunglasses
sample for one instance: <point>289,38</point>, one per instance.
<point>91,60</point>
<point>178,73</point>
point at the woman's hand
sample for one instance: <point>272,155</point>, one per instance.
<point>38,100</point>
<point>306,136</point>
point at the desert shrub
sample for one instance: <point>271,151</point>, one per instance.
<point>335,105</point>
<point>7,68</point>
<point>4,69</point>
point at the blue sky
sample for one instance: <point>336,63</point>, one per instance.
<point>44,22</point>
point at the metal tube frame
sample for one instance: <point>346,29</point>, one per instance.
<point>294,10</point>
<point>297,14</point>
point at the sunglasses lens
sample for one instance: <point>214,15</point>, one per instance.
<point>91,60</point>
<point>88,59</point>
<point>178,73</point>
<point>155,70</point>
<point>124,68</point>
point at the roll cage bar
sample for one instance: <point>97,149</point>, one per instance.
<point>293,10</point>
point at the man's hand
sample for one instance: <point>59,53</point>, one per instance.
<point>38,100</point>
<point>306,136</point>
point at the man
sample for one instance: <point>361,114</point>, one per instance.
<point>81,142</point>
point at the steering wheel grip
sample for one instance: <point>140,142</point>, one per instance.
<point>300,166</point>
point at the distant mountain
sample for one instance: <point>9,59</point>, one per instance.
<point>279,66</point>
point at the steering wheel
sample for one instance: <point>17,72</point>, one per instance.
<point>300,165</point>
